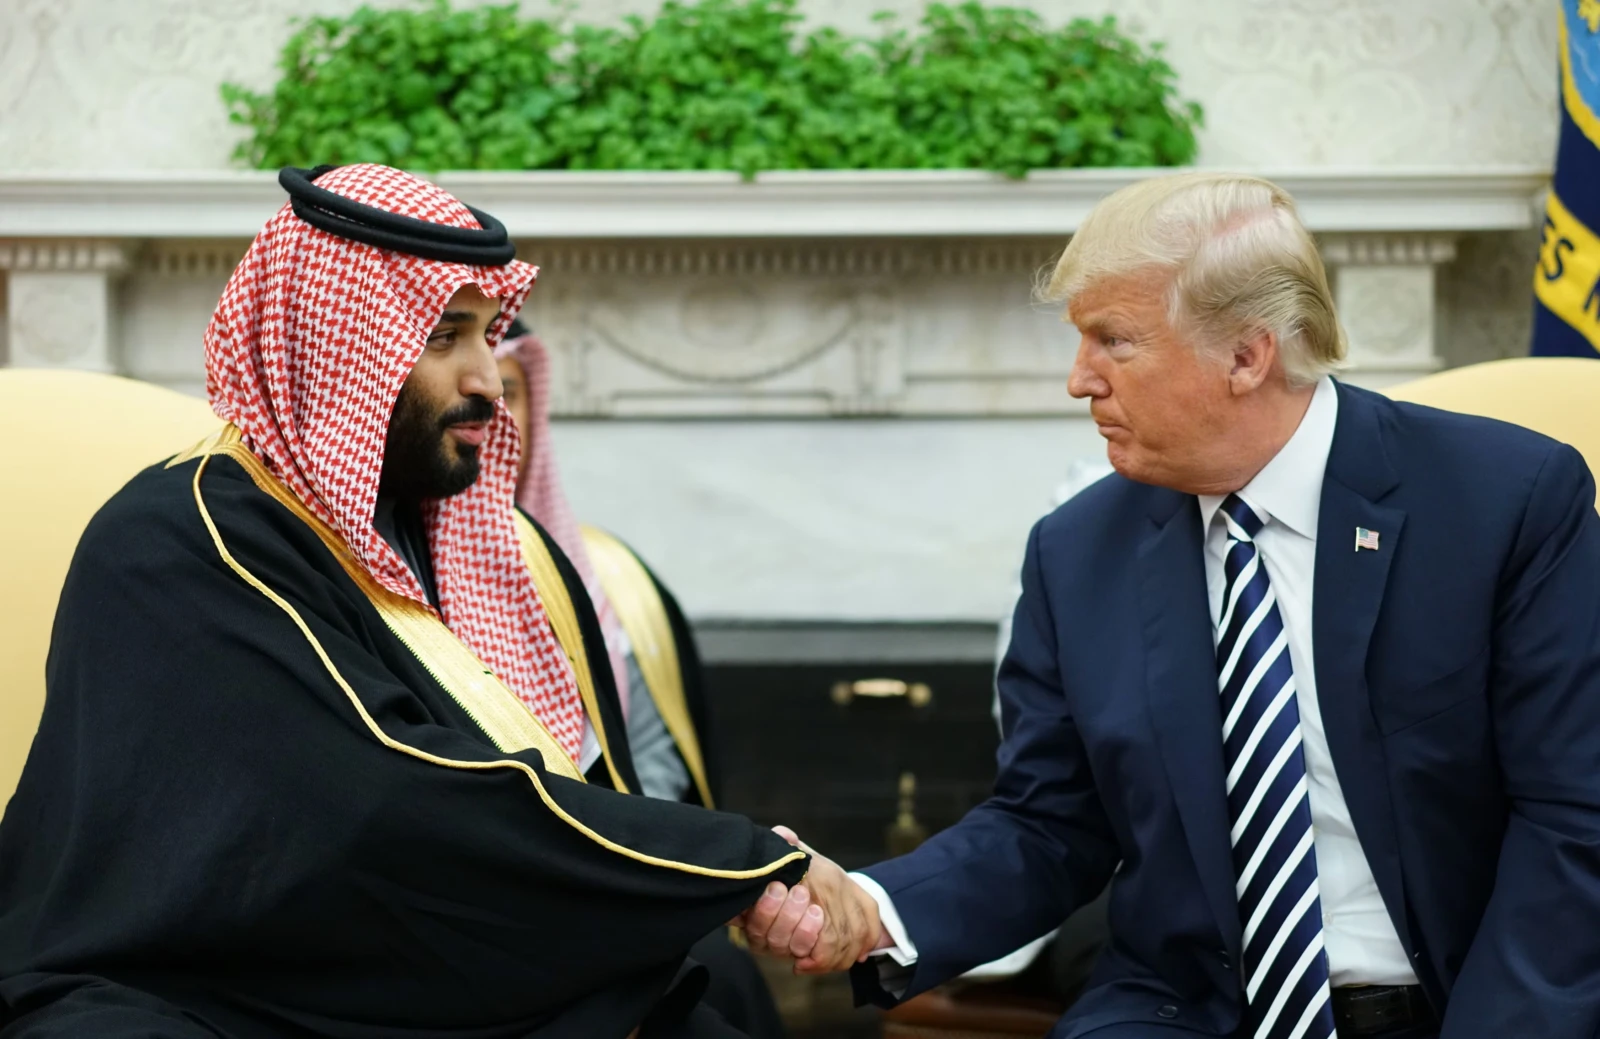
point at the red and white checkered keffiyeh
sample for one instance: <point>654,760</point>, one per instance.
<point>306,354</point>
<point>540,494</point>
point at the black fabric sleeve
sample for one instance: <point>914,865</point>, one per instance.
<point>209,817</point>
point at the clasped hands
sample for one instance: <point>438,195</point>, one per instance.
<point>825,923</point>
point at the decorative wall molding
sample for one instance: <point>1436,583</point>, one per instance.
<point>59,318</point>
<point>784,328</point>
<point>798,294</point>
<point>1385,287</point>
<point>716,259</point>
<point>776,517</point>
<point>909,327</point>
<point>1388,315</point>
<point>781,328</point>
<point>798,258</point>
<point>102,256</point>
<point>58,300</point>
<point>810,204</point>
<point>1369,249</point>
<point>706,344</point>
<point>202,258</point>
<point>932,322</point>
<point>726,332</point>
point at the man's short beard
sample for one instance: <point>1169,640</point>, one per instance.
<point>417,462</point>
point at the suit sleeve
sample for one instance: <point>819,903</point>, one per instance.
<point>1534,967</point>
<point>1021,862</point>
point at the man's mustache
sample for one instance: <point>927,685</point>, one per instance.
<point>475,409</point>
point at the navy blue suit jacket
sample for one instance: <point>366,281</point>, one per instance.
<point>1458,670</point>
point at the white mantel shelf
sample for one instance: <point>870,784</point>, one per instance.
<point>809,204</point>
<point>748,314</point>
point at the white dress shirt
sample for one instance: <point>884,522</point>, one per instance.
<point>1362,945</point>
<point>1363,948</point>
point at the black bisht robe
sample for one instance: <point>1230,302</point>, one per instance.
<point>213,836</point>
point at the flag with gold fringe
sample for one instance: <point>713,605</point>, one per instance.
<point>1566,283</point>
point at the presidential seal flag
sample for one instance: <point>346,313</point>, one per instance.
<point>1566,284</point>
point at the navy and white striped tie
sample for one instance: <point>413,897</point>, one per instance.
<point>1275,865</point>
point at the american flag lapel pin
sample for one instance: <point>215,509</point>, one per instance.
<point>1367,539</point>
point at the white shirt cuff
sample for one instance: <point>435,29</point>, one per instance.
<point>903,951</point>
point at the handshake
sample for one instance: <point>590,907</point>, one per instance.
<point>825,923</point>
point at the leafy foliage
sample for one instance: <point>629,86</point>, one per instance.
<point>714,84</point>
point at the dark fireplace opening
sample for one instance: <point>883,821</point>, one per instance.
<point>863,738</point>
<point>858,759</point>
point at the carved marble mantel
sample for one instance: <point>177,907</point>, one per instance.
<point>58,300</point>
<point>698,295</point>
<point>701,327</point>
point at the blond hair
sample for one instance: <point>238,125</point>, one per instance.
<point>1241,262</point>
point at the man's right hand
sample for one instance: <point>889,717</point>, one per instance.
<point>826,923</point>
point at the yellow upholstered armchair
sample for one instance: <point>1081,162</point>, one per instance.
<point>1556,396</point>
<point>68,441</point>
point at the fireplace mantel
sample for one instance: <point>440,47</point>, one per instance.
<point>724,323</point>
<point>802,293</point>
<point>807,204</point>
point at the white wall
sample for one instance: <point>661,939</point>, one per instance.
<point>132,84</point>
<point>840,520</point>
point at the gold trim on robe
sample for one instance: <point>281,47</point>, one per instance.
<point>230,443</point>
<point>637,602</point>
<point>563,616</point>
<point>498,711</point>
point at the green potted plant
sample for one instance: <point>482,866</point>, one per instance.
<point>715,85</point>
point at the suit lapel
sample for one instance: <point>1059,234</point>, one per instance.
<point>1350,587</point>
<point>1181,683</point>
